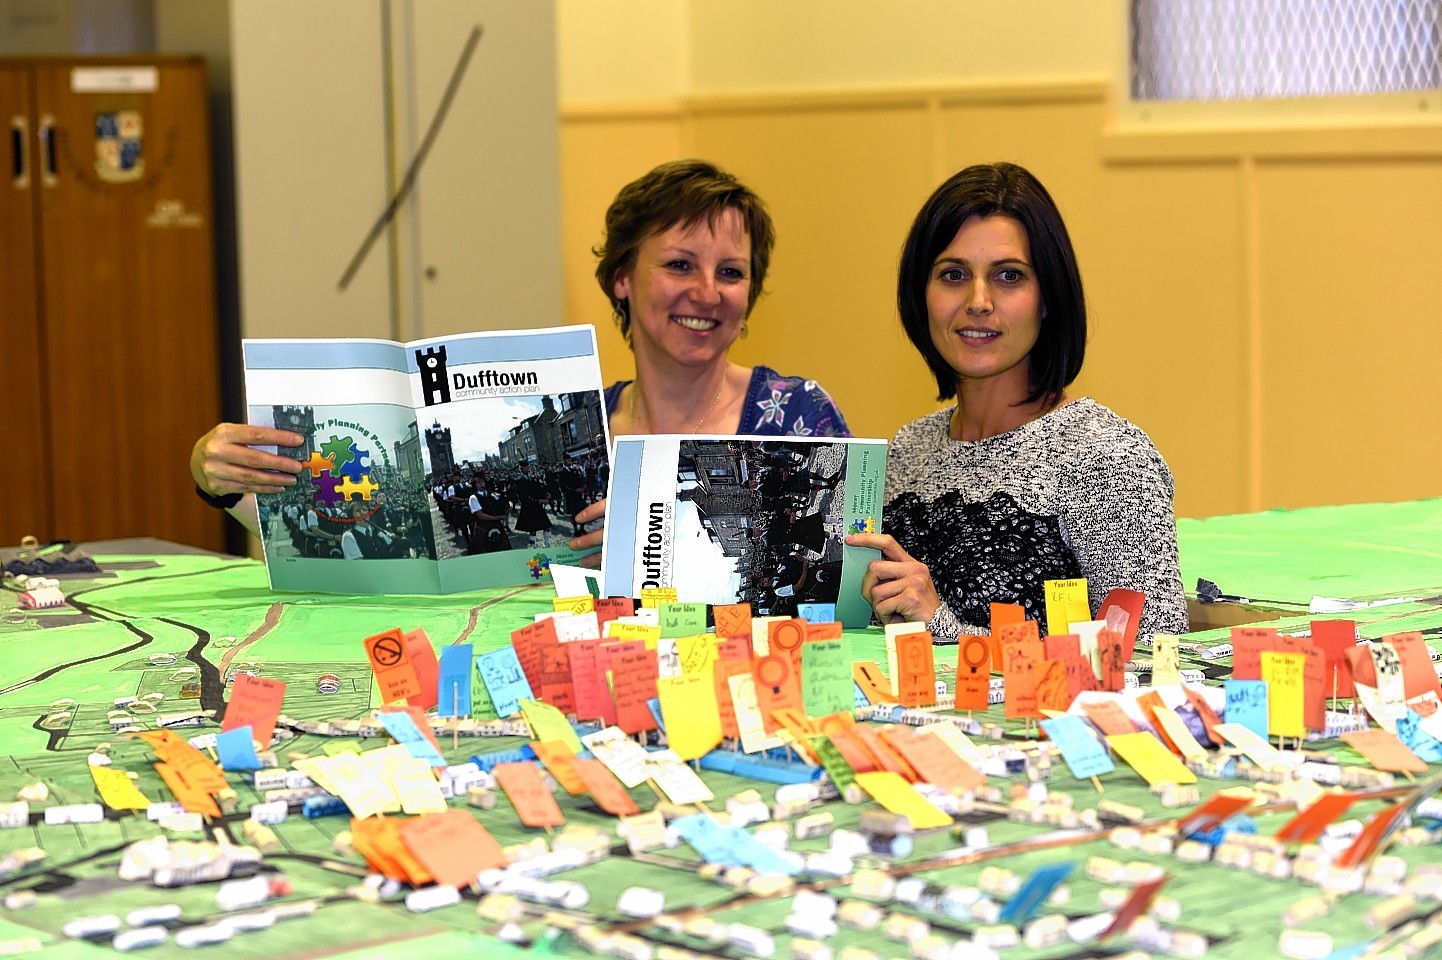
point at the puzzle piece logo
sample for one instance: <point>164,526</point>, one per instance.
<point>340,451</point>
<point>340,472</point>
<point>349,489</point>
<point>540,565</point>
<point>867,525</point>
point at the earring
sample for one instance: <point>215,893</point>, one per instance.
<point>743,329</point>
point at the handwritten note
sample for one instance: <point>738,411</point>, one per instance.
<point>678,782</point>
<point>633,681</point>
<point>653,597</point>
<point>1066,603</point>
<point>423,661</point>
<point>255,703</point>
<point>1020,659</point>
<point>751,726</point>
<point>682,619</point>
<point>816,612</point>
<point>505,681</point>
<point>1247,703</point>
<point>1166,660</point>
<point>391,663</point>
<point>588,682</point>
<point>1282,675</point>
<point>1131,603</point>
<point>732,620</point>
<point>826,677</point>
<point>973,673</point>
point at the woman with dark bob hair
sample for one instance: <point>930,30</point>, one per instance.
<point>1018,482</point>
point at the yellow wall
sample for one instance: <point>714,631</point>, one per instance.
<point>1262,296</point>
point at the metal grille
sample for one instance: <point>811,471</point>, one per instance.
<point>1268,49</point>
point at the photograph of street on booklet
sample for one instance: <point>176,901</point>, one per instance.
<point>744,519</point>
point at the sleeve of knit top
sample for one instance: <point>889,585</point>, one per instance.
<point>1119,521</point>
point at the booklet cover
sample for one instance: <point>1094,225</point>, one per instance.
<point>437,466</point>
<point>732,519</point>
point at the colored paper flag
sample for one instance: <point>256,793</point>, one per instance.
<point>505,681</point>
<point>455,681</point>
<point>255,703</point>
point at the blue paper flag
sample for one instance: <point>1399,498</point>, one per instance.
<point>455,682</point>
<point>1034,891</point>
<point>405,732</point>
<point>236,749</point>
<point>730,846</point>
<point>1419,741</point>
<point>505,680</point>
<point>1084,754</point>
<point>1247,704</point>
<point>817,612</point>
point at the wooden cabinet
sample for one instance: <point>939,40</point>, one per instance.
<point>109,367</point>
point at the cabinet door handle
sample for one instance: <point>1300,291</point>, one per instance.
<point>48,174</point>
<point>19,160</point>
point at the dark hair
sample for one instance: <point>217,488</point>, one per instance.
<point>999,189</point>
<point>684,192</point>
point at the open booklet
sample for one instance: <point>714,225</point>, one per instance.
<point>435,466</point>
<point>733,519</point>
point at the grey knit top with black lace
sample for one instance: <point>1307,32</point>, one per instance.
<point>1079,492</point>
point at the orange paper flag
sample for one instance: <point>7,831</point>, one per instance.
<point>528,794</point>
<point>452,846</point>
<point>391,661</point>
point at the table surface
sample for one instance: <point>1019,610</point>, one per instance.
<point>216,613</point>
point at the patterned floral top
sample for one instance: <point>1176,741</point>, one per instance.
<point>1079,492</point>
<point>776,406</point>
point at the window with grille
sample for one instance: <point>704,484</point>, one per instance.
<point>1273,49</point>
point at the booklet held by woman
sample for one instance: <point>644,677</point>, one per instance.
<point>744,519</point>
<point>436,466</point>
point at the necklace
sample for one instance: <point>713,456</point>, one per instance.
<point>695,427</point>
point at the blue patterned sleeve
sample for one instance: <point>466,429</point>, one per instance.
<point>794,406</point>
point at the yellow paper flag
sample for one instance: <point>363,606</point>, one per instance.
<point>548,723</point>
<point>1282,673</point>
<point>691,715</point>
<point>1154,762</point>
<point>1066,603</point>
<point>584,604</point>
<point>1259,751</point>
<point>898,796</point>
<point>118,791</point>
<point>646,632</point>
<point>1166,660</point>
<point>1174,727</point>
<point>655,596</point>
<point>697,653</point>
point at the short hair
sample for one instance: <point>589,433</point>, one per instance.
<point>678,192</point>
<point>999,189</point>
